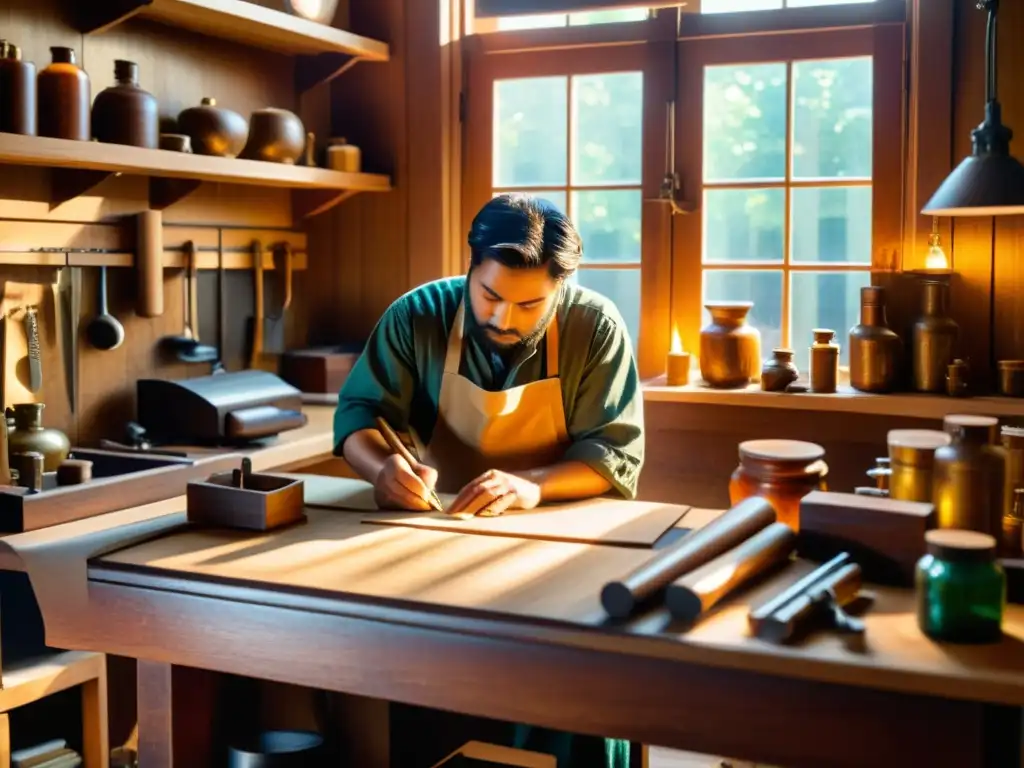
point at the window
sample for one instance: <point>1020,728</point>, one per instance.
<point>570,129</point>
<point>787,146</point>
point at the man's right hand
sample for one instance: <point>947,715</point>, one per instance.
<point>401,486</point>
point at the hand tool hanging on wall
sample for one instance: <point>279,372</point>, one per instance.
<point>149,264</point>
<point>256,322</point>
<point>67,302</point>
<point>104,331</point>
<point>187,347</point>
<point>35,360</point>
<point>274,325</point>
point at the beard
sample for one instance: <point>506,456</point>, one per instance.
<point>509,342</point>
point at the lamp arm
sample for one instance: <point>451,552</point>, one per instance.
<point>991,76</point>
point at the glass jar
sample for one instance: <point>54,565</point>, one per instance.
<point>781,471</point>
<point>961,587</point>
<point>912,459</point>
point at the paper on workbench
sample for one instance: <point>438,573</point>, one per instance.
<point>602,520</point>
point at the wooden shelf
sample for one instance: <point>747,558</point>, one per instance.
<point>324,52</point>
<point>81,165</point>
<point>846,400</point>
<point>29,681</point>
<point>172,260</point>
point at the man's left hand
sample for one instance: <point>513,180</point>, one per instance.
<point>493,492</point>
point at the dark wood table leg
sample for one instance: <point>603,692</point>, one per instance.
<point>176,716</point>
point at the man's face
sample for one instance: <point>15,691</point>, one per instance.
<point>511,307</point>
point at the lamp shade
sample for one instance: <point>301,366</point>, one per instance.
<point>990,184</point>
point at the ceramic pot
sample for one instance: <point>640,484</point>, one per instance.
<point>213,130</point>
<point>320,11</point>
<point>125,113</point>
<point>63,95</point>
<point>875,348</point>
<point>275,136</point>
<point>730,349</point>
<point>29,434</point>
<point>779,371</point>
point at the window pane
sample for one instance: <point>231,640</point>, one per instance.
<point>733,6</point>
<point>824,300</point>
<point>745,122</point>
<point>608,17</point>
<point>832,224</point>
<point>540,21</point>
<point>622,286</point>
<point>530,134</point>
<point>609,223</point>
<point>554,196</point>
<point>744,225</point>
<point>763,287</point>
<point>806,3</point>
<point>832,118</point>
<point>607,120</point>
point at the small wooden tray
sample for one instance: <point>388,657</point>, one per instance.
<point>242,499</point>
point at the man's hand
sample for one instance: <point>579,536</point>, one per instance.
<point>400,485</point>
<point>494,492</point>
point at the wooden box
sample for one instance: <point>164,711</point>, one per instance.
<point>246,500</point>
<point>120,480</point>
<point>884,536</point>
<point>319,369</point>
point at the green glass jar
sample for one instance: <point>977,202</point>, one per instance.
<point>961,587</point>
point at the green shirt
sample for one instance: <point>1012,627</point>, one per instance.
<point>398,375</point>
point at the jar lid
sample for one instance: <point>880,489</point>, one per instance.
<point>969,420</point>
<point>823,335</point>
<point>917,439</point>
<point>1012,431</point>
<point>781,450</point>
<point>960,546</point>
<point>1011,365</point>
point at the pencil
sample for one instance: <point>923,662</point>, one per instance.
<point>396,445</point>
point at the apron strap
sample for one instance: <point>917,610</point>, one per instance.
<point>453,354</point>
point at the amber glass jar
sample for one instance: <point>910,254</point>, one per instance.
<point>17,92</point>
<point>912,458</point>
<point>63,95</point>
<point>781,471</point>
<point>29,434</point>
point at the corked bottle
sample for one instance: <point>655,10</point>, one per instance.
<point>125,113</point>
<point>17,92</point>
<point>824,361</point>
<point>63,93</point>
<point>874,348</point>
<point>969,480</point>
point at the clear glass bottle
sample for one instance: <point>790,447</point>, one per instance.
<point>961,587</point>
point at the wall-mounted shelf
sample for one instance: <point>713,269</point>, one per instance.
<point>172,260</point>
<point>324,52</point>
<point>81,165</point>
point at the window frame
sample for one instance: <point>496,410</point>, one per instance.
<point>671,269</point>
<point>655,61</point>
<point>885,44</point>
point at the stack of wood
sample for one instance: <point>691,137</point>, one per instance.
<point>50,754</point>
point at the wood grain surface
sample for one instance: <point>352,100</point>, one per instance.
<point>598,521</point>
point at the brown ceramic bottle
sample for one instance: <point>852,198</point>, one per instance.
<point>64,96</point>
<point>875,348</point>
<point>125,113</point>
<point>17,92</point>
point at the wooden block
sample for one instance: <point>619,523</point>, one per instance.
<point>320,369</point>
<point>884,536</point>
<point>242,499</point>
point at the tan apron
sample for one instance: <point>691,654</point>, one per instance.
<point>476,430</point>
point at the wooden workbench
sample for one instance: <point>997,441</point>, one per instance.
<point>508,629</point>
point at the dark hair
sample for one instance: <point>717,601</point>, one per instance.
<point>522,231</point>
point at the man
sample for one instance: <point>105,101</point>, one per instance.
<point>515,386</point>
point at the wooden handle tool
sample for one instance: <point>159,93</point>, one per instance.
<point>621,598</point>
<point>697,592</point>
<point>149,264</point>
<point>257,326</point>
<point>395,443</point>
